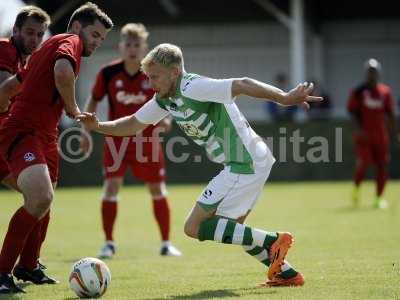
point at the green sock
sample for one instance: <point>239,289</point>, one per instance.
<point>227,231</point>
<point>261,254</point>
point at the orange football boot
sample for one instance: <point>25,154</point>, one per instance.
<point>277,253</point>
<point>277,281</point>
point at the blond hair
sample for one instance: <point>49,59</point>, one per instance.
<point>167,55</point>
<point>134,30</point>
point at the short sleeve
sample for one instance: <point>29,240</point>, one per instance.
<point>151,113</point>
<point>206,89</point>
<point>69,49</point>
<point>99,88</point>
<point>353,103</point>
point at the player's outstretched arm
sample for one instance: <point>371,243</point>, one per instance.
<point>8,89</point>
<point>64,77</point>
<point>300,95</point>
<point>126,126</point>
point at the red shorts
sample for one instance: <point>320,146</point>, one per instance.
<point>146,163</point>
<point>21,149</point>
<point>372,152</point>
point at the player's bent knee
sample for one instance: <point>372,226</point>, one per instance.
<point>112,186</point>
<point>191,230</point>
<point>110,194</point>
<point>41,208</point>
<point>38,204</point>
<point>157,190</point>
<point>110,191</point>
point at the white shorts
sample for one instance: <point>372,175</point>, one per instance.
<point>233,195</point>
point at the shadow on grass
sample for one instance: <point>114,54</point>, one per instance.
<point>22,285</point>
<point>11,296</point>
<point>226,293</point>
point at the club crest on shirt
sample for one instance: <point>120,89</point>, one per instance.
<point>191,130</point>
<point>29,156</point>
<point>119,83</point>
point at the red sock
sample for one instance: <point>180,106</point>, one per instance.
<point>381,178</point>
<point>45,224</point>
<point>30,253</point>
<point>162,215</point>
<point>109,214</point>
<point>359,172</point>
<point>19,228</point>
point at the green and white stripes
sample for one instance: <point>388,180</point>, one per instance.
<point>259,253</point>
<point>255,242</point>
<point>227,231</point>
<point>217,127</point>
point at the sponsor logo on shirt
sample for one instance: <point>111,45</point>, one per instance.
<point>29,156</point>
<point>372,103</point>
<point>207,193</point>
<point>126,98</point>
<point>185,86</point>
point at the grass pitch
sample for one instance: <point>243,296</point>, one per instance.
<point>344,253</point>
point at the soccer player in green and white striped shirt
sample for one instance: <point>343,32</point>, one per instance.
<point>205,110</point>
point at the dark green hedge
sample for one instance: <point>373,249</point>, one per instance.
<point>89,171</point>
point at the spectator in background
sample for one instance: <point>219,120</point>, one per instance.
<point>276,111</point>
<point>320,110</point>
<point>127,89</point>
<point>371,105</point>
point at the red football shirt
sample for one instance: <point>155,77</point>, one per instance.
<point>39,105</point>
<point>10,61</point>
<point>371,106</point>
<point>126,93</point>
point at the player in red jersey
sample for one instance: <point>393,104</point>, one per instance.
<point>372,105</point>
<point>30,25</point>
<point>29,28</point>
<point>28,136</point>
<point>127,89</point>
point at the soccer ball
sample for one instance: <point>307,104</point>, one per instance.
<point>89,278</point>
